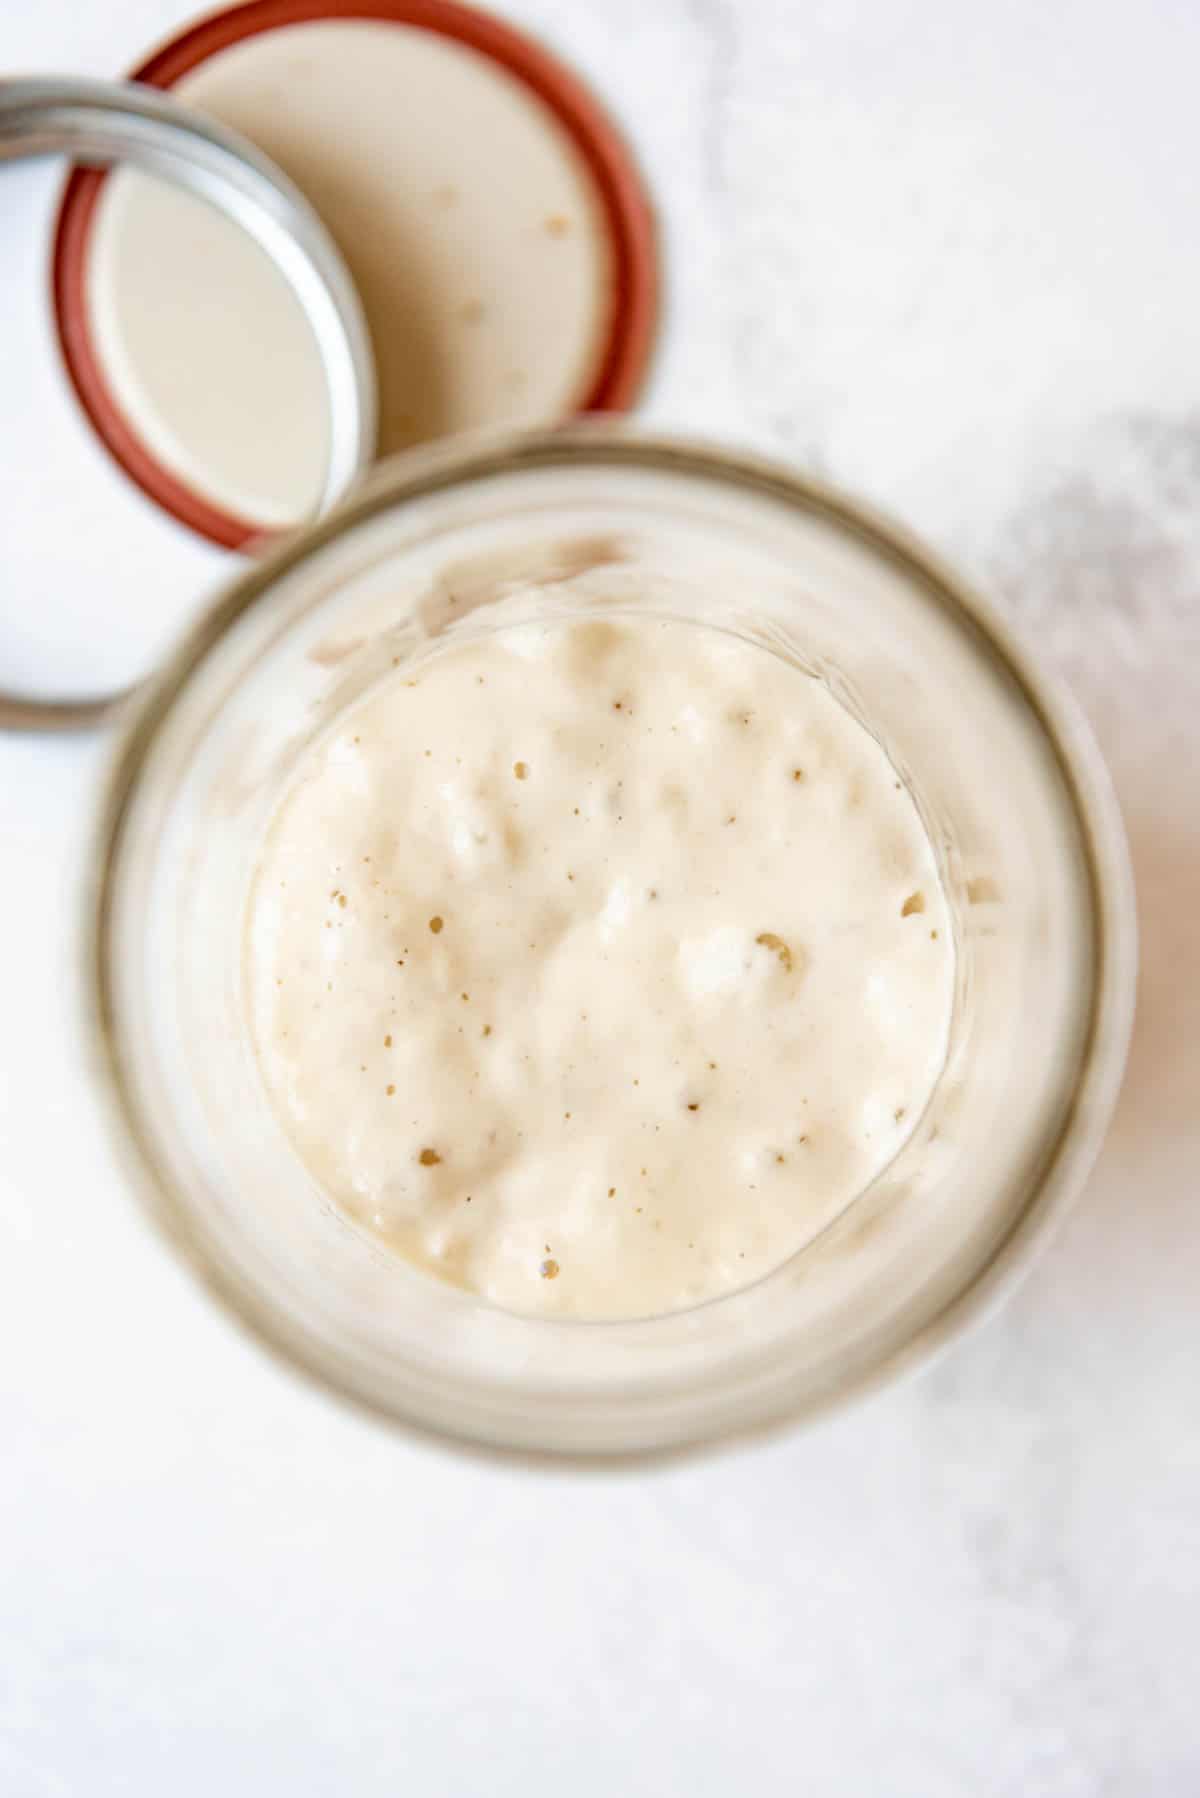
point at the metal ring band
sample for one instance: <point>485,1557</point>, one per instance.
<point>102,122</point>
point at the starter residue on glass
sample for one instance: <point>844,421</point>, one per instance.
<point>595,965</point>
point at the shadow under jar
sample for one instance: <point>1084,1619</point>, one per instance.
<point>438,549</point>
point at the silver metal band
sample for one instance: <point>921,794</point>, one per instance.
<point>102,122</point>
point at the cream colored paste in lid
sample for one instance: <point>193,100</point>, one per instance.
<point>467,216</point>
<point>594,966</point>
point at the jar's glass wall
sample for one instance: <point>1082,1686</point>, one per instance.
<point>1031,860</point>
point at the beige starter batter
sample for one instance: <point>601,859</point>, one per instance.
<point>596,965</point>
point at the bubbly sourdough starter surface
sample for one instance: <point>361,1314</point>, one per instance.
<point>595,965</point>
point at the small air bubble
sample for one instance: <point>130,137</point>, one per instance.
<point>777,946</point>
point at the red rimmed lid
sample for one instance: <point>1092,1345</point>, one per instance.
<point>622,351</point>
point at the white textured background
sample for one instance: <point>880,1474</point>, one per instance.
<point>948,253</point>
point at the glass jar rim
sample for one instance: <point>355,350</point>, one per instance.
<point>462,463</point>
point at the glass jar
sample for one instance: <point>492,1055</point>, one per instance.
<point>1010,787</point>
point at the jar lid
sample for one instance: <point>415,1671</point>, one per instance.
<point>337,228</point>
<point>491,218</point>
<point>113,122</point>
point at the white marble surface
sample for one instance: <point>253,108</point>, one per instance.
<point>950,256</point>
